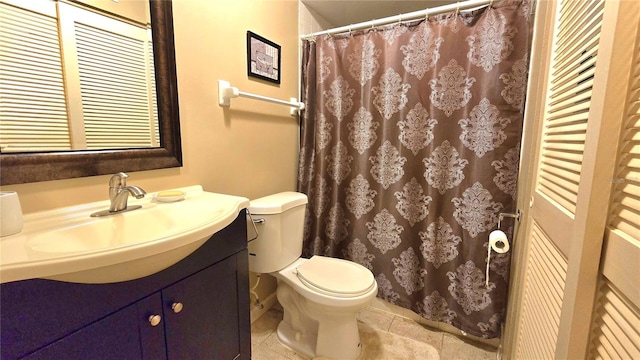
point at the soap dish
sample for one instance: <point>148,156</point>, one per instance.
<point>169,196</point>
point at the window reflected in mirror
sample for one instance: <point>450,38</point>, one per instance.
<point>76,75</point>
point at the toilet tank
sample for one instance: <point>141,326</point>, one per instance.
<point>279,220</point>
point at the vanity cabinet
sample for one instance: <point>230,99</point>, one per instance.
<point>195,309</point>
<point>114,337</point>
<point>212,334</point>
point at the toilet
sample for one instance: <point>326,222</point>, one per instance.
<point>321,296</point>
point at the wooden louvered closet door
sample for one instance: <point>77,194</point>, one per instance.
<point>580,82</point>
<point>615,330</point>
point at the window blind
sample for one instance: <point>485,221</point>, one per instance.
<point>98,94</point>
<point>33,115</point>
<point>113,83</point>
<point>155,125</point>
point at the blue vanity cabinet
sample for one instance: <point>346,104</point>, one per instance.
<point>195,325</point>
<point>201,306</point>
<point>118,336</point>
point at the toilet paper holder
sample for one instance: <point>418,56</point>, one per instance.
<point>498,237</point>
<point>515,215</point>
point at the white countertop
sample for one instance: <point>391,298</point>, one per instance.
<point>67,244</point>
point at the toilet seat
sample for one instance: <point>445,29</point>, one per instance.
<point>335,277</point>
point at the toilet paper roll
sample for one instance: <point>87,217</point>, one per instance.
<point>498,241</point>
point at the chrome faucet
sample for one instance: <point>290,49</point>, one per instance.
<point>119,194</point>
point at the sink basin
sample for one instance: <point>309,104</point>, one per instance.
<point>67,244</point>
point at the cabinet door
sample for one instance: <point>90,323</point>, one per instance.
<point>207,324</point>
<point>151,321</point>
<point>115,337</point>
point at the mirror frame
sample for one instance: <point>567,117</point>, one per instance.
<point>19,168</point>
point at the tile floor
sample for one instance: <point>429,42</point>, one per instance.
<point>384,336</point>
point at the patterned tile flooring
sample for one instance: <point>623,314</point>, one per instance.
<point>384,336</point>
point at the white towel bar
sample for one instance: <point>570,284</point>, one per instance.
<point>226,92</point>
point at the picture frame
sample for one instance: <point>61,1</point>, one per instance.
<point>263,58</point>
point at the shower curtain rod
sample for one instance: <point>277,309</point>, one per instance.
<point>464,5</point>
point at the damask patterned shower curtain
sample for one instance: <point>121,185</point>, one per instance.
<point>410,150</point>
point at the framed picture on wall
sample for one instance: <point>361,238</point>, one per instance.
<point>263,58</point>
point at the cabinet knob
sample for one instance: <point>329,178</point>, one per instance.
<point>154,320</point>
<point>177,307</point>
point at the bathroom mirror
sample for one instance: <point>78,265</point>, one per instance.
<point>17,168</point>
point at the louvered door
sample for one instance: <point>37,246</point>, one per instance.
<point>573,56</point>
<point>580,114</point>
<point>616,321</point>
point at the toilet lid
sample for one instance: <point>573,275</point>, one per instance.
<point>335,276</point>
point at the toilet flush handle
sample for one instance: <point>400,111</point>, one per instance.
<point>254,222</point>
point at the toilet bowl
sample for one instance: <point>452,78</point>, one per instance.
<point>323,321</point>
<point>321,296</point>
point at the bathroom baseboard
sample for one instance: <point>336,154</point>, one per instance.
<point>267,303</point>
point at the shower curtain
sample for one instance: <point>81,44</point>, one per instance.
<point>410,150</point>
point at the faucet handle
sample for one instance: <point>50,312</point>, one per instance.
<point>118,180</point>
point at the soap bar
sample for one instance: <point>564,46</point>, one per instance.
<point>170,196</point>
<point>169,193</point>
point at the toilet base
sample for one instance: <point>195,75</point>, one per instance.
<point>287,336</point>
<point>314,330</point>
<point>347,348</point>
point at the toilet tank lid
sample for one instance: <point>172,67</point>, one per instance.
<point>277,203</point>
